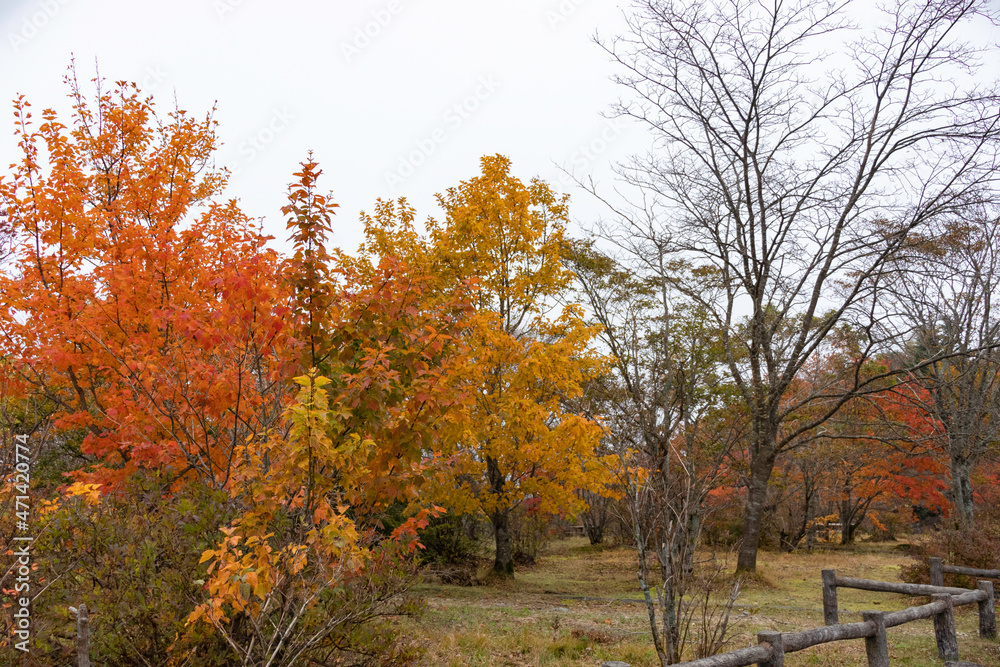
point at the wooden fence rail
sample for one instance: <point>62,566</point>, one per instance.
<point>831,582</point>
<point>772,646</point>
<point>939,569</point>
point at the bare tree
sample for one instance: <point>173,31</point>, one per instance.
<point>661,410</point>
<point>792,175</point>
<point>944,301</point>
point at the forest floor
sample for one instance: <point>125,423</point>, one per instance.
<point>581,605</point>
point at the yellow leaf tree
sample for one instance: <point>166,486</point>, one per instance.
<point>528,355</point>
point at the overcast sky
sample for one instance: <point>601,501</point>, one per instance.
<point>396,97</point>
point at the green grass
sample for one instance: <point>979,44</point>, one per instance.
<point>581,605</point>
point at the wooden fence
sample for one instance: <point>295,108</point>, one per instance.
<point>939,569</point>
<point>831,582</point>
<point>82,635</point>
<point>772,646</point>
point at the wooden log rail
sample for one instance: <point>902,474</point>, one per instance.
<point>939,569</point>
<point>831,582</point>
<point>772,646</point>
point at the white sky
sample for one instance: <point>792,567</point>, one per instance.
<point>379,109</point>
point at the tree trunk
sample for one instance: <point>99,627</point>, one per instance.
<point>641,540</point>
<point>595,517</point>
<point>961,491</point>
<point>753,516</point>
<point>790,541</point>
<point>668,600</point>
<point>504,562</point>
<point>688,539</point>
<point>693,534</point>
<point>846,517</point>
<point>82,637</point>
<point>595,531</point>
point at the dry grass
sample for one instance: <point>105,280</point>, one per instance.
<point>581,605</point>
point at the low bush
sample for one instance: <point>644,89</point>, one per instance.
<point>133,558</point>
<point>451,540</point>
<point>976,547</point>
<point>531,531</point>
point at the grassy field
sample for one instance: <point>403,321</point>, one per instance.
<point>581,605</point>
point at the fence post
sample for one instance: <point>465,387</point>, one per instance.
<point>987,611</point>
<point>876,646</point>
<point>829,597</point>
<point>777,648</point>
<point>82,636</point>
<point>944,629</point>
<point>937,571</point>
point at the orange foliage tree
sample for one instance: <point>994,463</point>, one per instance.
<point>889,463</point>
<point>873,461</point>
<point>945,300</point>
<point>150,318</point>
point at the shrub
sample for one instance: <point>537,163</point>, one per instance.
<point>450,540</point>
<point>531,531</point>
<point>977,547</point>
<point>132,558</point>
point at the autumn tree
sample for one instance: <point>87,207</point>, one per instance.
<point>799,497</point>
<point>776,167</point>
<point>876,463</point>
<point>309,272</point>
<point>143,328</point>
<point>150,317</point>
<point>943,308</point>
<point>882,449</point>
<point>874,459</point>
<point>516,442</point>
